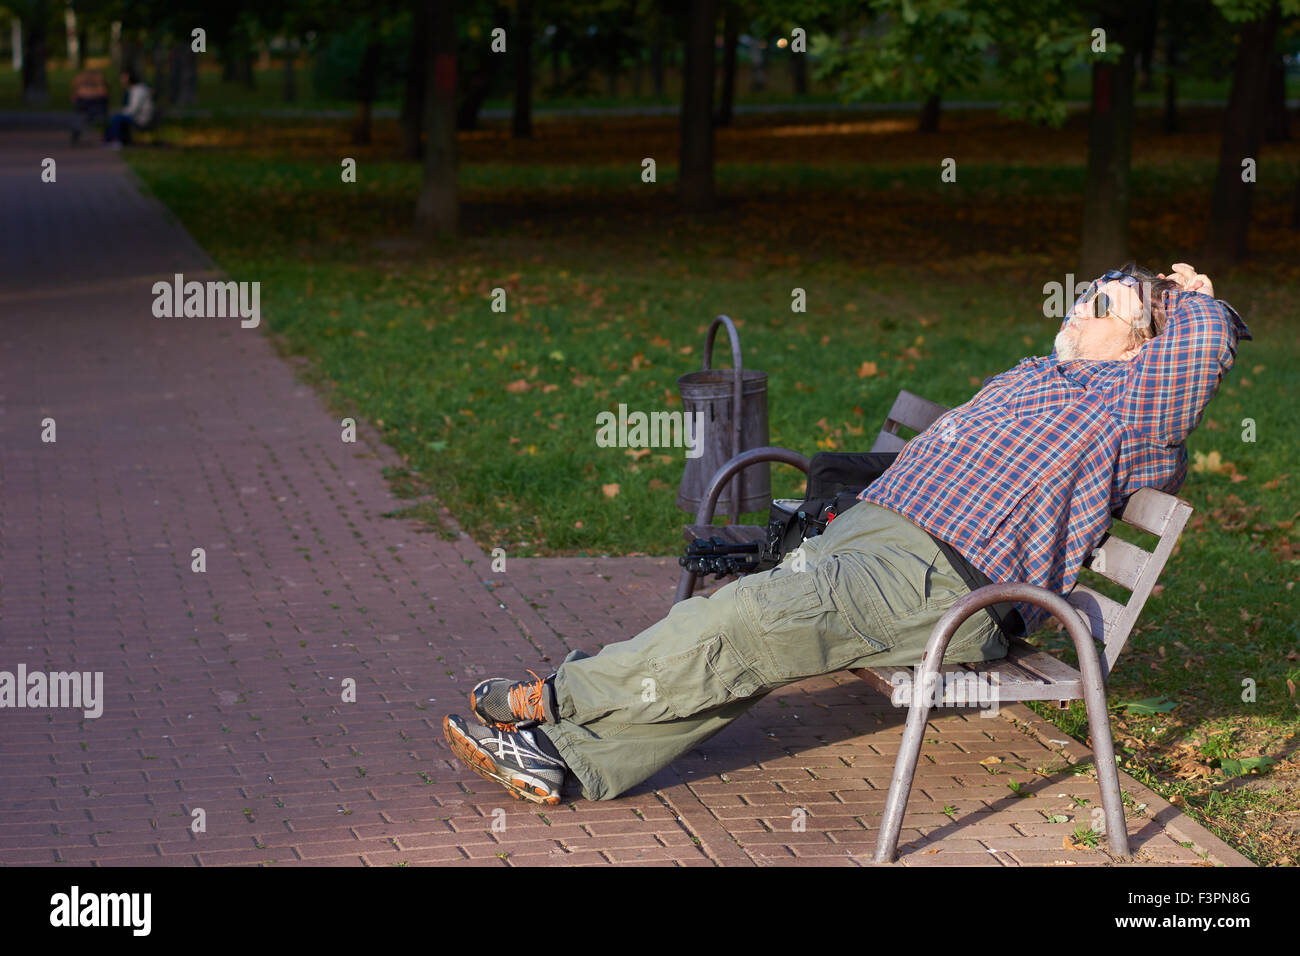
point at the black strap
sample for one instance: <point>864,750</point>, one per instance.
<point>1004,613</point>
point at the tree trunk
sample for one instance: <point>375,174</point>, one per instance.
<point>730,38</point>
<point>176,79</point>
<point>72,39</point>
<point>476,92</point>
<point>367,84</point>
<point>437,211</point>
<point>1147,22</point>
<point>480,83</point>
<point>1295,207</point>
<point>248,61</point>
<point>657,58</point>
<point>160,79</point>
<point>757,77</point>
<point>799,73</point>
<point>413,99</point>
<point>36,91</point>
<point>929,121</point>
<point>521,116</point>
<point>1277,122</point>
<point>1243,131</point>
<point>290,85</point>
<point>1110,147</point>
<point>1173,44</point>
<point>695,188</point>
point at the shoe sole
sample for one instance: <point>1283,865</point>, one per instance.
<point>483,764</point>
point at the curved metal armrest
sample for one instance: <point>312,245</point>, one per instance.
<point>927,673</point>
<point>1094,695</point>
<point>980,598</point>
<point>738,463</point>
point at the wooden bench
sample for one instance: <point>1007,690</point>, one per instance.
<point>1098,626</point>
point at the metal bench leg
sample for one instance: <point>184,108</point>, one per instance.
<point>685,585</point>
<point>909,752</point>
<point>1103,749</point>
<point>926,677</point>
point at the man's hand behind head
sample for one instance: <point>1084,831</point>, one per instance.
<point>1190,280</point>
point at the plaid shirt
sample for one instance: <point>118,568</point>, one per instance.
<point>1023,479</point>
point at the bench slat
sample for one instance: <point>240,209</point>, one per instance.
<point>887,442</point>
<point>1100,612</point>
<point>1118,560</point>
<point>1150,510</point>
<point>912,411</point>
<point>1014,682</point>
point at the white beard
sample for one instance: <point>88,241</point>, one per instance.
<point>1067,346</point>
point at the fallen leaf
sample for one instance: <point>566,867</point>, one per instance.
<point>867,369</point>
<point>518,385</point>
<point>610,490</point>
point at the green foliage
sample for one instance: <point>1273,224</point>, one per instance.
<point>1151,705</point>
<point>337,68</point>
<point>1241,767</point>
<point>938,47</point>
<point>1240,11</point>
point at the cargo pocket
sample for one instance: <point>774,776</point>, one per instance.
<point>708,675</point>
<point>851,588</point>
<point>797,631</point>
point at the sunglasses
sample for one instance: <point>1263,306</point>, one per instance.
<point>1098,303</point>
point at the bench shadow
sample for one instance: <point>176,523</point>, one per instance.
<point>756,739</point>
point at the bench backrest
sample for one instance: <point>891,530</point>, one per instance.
<point>909,411</point>
<point>1115,559</point>
<point>1131,567</point>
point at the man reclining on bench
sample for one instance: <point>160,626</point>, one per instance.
<point>1021,482</point>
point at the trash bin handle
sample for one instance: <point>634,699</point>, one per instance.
<point>735,343</point>
<point>737,391</point>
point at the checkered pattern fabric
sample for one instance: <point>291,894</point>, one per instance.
<point>1023,479</point>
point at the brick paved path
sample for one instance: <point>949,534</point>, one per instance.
<point>222,690</point>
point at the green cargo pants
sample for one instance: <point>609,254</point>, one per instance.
<point>870,592</point>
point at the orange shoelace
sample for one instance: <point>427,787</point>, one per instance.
<point>526,700</point>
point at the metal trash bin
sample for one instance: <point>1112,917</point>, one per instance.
<point>734,406</point>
